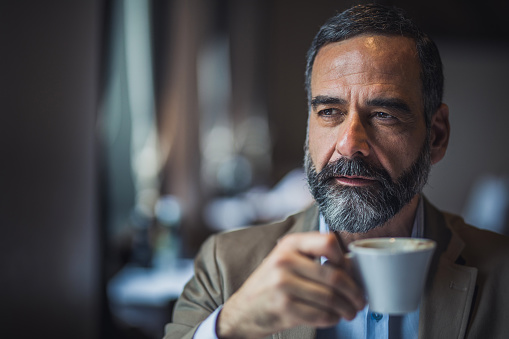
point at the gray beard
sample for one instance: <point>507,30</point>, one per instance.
<point>361,209</point>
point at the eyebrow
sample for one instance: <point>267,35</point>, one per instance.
<point>394,103</point>
<point>327,100</point>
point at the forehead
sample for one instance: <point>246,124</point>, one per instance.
<point>389,61</point>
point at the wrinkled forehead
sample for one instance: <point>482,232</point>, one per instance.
<point>388,61</point>
<point>389,55</point>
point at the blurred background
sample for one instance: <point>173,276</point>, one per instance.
<point>130,130</point>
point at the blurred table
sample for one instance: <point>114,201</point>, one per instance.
<point>142,298</point>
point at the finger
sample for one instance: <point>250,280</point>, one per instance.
<point>336,278</point>
<point>328,276</point>
<point>344,283</point>
<point>321,297</point>
<point>342,246</point>
<point>350,268</point>
<point>313,244</point>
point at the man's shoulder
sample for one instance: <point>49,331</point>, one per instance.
<point>475,235</point>
<point>482,247</point>
<point>472,237</point>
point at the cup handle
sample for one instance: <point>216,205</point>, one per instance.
<point>350,258</point>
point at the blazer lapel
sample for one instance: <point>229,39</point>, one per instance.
<point>307,221</point>
<point>447,302</point>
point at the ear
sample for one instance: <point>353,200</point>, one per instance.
<point>439,133</point>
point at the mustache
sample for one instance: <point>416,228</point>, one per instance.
<point>354,167</point>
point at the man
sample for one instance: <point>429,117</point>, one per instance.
<point>376,125</point>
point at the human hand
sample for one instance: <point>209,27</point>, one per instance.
<point>291,288</point>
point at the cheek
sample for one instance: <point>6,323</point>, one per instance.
<point>321,145</point>
<point>397,154</point>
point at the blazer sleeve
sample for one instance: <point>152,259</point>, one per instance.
<point>202,295</point>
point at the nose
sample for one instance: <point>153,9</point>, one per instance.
<point>353,138</point>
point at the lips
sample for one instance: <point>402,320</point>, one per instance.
<point>354,180</point>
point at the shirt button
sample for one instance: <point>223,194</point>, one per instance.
<point>376,316</point>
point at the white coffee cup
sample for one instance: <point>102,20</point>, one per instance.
<point>393,271</point>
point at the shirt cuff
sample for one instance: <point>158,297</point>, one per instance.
<point>207,329</point>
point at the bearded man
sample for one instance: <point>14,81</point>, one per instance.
<point>376,125</point>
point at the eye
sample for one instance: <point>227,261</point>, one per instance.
<point>328,112</point>
<point>384,116</point>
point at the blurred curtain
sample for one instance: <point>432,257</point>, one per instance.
<point>213,129</point>
<point>185,109</point>
<point>182,25</point>
<point>128,125</point>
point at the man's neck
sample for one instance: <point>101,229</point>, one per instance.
<point>398,226</point>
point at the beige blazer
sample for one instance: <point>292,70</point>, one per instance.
<point>467,294</point>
